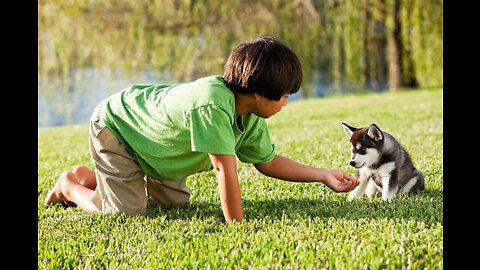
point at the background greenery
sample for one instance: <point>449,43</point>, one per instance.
<point>287,225</point>
<point>344,45</point>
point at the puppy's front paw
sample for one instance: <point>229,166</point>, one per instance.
<point>388,197</point>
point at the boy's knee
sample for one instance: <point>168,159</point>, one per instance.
<point>179,200</point>
<point>85,176</point>
<point>182,200</point>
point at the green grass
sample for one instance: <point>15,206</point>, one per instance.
<point>287,225</point>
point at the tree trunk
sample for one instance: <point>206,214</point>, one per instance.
<point>409,75</point>
<point>394,40</point>
<point>367,40</point>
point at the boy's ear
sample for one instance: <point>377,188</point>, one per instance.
<point>348,129</point>
<point>375,133</point>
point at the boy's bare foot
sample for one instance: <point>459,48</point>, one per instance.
<point>55,195</point>
<point>85,176</point>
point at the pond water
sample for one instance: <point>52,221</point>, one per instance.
<point>57,107</point>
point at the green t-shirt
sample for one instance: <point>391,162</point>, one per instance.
<point>170,129</point>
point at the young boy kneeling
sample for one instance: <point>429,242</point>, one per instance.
<point>147,139</point>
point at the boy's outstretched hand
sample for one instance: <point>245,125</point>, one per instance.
<point>339,181</point>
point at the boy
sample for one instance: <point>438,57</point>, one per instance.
<point>147,139</point>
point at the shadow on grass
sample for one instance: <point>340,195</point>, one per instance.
<point>425,207</point>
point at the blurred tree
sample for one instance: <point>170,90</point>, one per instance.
<point>395,46</point>
<point>348,45</point>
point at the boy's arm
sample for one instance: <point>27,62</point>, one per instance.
<point>225,167</point>
<point>290,170</point>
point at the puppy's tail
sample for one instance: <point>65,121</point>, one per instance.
<point>420,183</point>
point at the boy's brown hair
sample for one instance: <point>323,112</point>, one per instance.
<point>265,66</point>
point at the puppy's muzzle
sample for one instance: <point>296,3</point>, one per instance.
<point>355,165</point>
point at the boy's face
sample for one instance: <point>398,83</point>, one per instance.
<point>266,108</point>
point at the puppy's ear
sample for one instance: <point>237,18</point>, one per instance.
<point>348,129</point>
<point>375,133</point>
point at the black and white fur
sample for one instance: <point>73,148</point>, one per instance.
<point>383,164</point>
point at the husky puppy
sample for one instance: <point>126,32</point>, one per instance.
<point>383,164</point>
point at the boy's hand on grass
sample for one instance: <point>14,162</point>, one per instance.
<point>339,181</point>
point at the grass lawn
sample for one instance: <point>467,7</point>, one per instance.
<point>287,225</point>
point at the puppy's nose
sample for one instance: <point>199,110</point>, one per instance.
<point>352,163</point>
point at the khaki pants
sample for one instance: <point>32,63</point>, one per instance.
<point>122,186</point>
